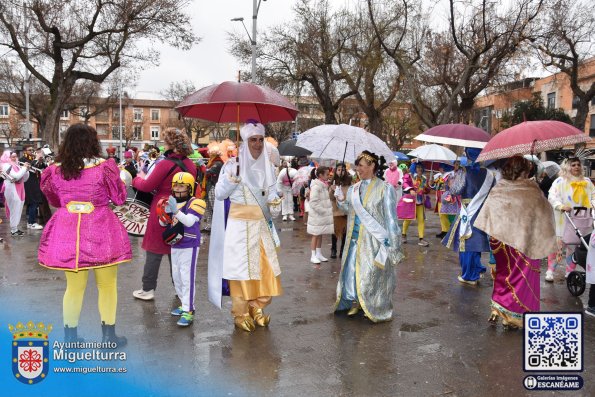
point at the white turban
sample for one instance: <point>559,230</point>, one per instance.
<point>257,173</point>
<point>249,130</point>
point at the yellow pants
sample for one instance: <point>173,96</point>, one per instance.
<point>419,217</point>
<point>107,290</point>
<point>444,221</point>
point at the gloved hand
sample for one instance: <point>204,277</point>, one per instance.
<point>339,194</point>
<point>171,206</point>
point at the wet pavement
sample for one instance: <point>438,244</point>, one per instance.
<point>439,342</point>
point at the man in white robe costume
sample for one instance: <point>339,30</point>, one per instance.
<point>244,242</point>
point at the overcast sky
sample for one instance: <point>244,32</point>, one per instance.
<point>209,61</point>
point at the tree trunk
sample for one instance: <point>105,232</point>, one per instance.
<point>329,116</point>
<point>58,97</point>
<point>582,111</point>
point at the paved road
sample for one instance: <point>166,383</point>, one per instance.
<point>439,342</point>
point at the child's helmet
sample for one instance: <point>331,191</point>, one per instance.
<point>184,178</point>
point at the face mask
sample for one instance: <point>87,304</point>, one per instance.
<point>180,196</point>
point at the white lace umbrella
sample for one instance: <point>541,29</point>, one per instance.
<point>433,152</point>
<point>342,142</point>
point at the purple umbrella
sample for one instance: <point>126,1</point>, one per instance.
<point>456,135</point>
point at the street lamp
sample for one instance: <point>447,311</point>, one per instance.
<point>255,9</point>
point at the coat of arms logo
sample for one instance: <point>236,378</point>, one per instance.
<point>30,351</point>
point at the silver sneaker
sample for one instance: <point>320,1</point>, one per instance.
<point>144,295</point>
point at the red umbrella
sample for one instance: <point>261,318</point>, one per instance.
<point>231,102</point>
<point>532,137</point>
<point>456,134</point>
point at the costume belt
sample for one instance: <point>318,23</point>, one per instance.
<point>80,207</point>
<point>245,212</point>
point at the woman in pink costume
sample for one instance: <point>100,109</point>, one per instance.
<point>84,233</point>
<point>520,223</point>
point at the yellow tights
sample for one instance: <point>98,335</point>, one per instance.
<point>107,290</point>
<point>421,223</point>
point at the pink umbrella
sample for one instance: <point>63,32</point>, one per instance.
<point>456,135</point>
<point>532,137</point>
<point>231,102</point>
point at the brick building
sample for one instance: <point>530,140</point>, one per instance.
<point>554,90</point>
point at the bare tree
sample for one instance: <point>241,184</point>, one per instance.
<point>11,129</point>
<point>447,70</point>
<point>303,51</point>
<point>60,43</point>
<point>367,70</point>
<point>565,42</point>
<point>90,99</point>
<point>12,86</point>
<point>176,92</point>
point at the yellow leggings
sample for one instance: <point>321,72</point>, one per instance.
<point>107,290</point>
<point>421,223</point>
<point>444,221</point>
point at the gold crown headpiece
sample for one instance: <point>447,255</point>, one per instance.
<point>30,330</point>
<point>366,157</point>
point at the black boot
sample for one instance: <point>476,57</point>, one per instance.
<point>109,335</point>
<point>70,335</point>
<point>333,246</point>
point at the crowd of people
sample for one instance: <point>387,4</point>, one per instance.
<point>366,209</point>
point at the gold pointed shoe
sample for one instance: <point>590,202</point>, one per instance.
<point>353,311</point>
<point>259,317</point>
<point>244,323</point>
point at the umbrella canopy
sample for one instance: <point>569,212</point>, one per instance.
<point>551,168</point>
<point>433,152</point>
<point>342,142</point>
<point>401,156</point>
<point>456,135</point>
<point>288,148</point>
<point>532,137</point>
<point>231,102</point>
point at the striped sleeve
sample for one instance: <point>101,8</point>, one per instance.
<point>198,206</point>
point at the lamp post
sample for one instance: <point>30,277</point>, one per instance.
<point>255,9</point>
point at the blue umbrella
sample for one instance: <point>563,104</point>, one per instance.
<point>401,156</point>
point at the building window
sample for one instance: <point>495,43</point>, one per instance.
<point>137,132</point>
<point>155,115</point>
<point>575,101</point>
<point>4,128</point>
<point>551,100</point>
<point>116,132</point>
<point>155,132</point>
<point>3,110</point>
<point>65,115</point>
<point>592,127</point>
<point>115,114</point>
<point>138,114</point>
<point>102,129</point>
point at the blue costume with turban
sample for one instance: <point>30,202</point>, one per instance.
<point>473,184</point>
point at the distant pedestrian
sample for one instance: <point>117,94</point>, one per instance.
<point>320,214</point>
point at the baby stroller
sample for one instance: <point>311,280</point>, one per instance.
<point>576,280</point>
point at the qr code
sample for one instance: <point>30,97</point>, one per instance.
<point>553,342</point>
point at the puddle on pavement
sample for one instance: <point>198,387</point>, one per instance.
<point>408,327</point>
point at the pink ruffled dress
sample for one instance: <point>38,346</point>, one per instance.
<point>84,233</point>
